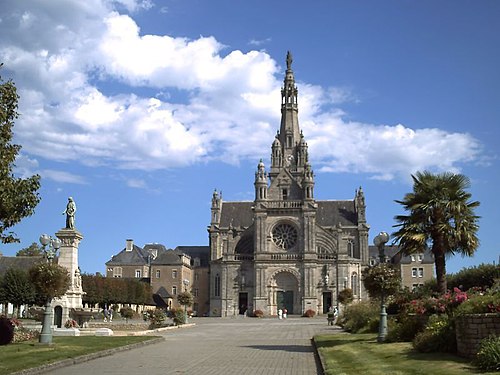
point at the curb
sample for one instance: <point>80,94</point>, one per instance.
<point>319,357</point>
<point>85,358</point>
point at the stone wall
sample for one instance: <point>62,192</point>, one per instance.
<point>471,329</point>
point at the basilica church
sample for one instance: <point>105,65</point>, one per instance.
<point>285,249</point>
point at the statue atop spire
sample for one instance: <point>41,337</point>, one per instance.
<point>289,60</point>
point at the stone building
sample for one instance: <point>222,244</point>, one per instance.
<point>169,272</point>
<point>286,249</point>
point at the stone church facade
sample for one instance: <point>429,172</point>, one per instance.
<point>286,249</point>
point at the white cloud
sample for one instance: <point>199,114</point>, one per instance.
<point>229,106</point>
<point>62,176</point>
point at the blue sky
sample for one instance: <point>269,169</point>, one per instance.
<point>139,109</point>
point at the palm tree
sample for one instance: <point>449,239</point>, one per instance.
<point>441,216</point>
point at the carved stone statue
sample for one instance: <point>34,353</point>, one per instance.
<point>70,213</point>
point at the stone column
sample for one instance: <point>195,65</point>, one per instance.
<point>68,258</point>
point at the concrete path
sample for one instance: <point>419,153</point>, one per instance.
<point>220,346</point>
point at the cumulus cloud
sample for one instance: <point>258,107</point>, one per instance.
<point>97,91</point>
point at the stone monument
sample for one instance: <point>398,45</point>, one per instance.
<point>68,258</point>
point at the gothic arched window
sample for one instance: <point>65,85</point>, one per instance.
<point>354,283</point>
<point>350,249</point>
<point>217,286</point>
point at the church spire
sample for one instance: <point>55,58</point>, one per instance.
<point>289,134</point>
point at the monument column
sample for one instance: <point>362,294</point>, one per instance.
<point>68,258</point>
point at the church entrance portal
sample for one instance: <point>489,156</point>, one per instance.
<point>284,300</point>
<point>243,303</point>
<point>286,292</point>
<point>327,301</point>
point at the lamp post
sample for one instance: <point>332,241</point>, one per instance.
<point>380,240</point>
<point>50,248</point>
<point>186,283</point>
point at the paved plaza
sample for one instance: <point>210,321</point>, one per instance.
<point>220,346</point>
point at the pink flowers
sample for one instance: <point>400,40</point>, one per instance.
<point>443,304</point>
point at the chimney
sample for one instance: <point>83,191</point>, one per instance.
<point>130,245</point>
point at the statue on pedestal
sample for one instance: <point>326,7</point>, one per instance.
<point>70,213</point>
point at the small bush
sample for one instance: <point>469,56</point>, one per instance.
<point>258,313</point>
<point>360,317</point>
<point>6,331</point>
<point>177,316</point>
<point>309,313</point>
<point>405,328</point>
<point>127,313</point>
<point>488,356</point>
<point>438,336</point>
<point>155,317</point>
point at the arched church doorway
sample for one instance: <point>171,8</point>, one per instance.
<point>286,292</point>
<point>58,316</point>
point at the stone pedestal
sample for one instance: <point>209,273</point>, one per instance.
<point>68,258</point>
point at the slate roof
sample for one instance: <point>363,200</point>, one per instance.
<point>331,213</point>
<point>124,257</point>
<point>169,257</point>
<point>393,253</point>
<point>238,214</point>
<point>23,263</point>
<point>162,292</point>
<point>202,252</point>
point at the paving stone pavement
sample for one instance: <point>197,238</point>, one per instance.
<point>221,346</point>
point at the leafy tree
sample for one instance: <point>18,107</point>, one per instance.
<point>482,276</point>
<point>32,250</point>
<point>441,216</point>
<point>346,296</point>
<point>17,288</point>
<point>107,290</point>
<point>382,279</point>
<point>185,299</point>
<point>18,196</point>
<point>50,280</point>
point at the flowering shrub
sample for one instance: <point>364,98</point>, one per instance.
<point>71,323</point>
<point>437,305</point>
<point>309,313</point>
<point>438,336</point>
<point>25,334</point>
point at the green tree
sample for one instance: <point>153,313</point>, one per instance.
<point>185,299</point>
<point>17,289</point>
<point>32,250</point>
<point>346,296</point>
<point>382,279</point>
<point>440,216</point>
<point>18,196</point>
<point>50,280</point>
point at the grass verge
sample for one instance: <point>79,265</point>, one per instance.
<point>362,354</point>
<point>24,355</point>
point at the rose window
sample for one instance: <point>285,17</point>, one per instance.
<point>284,236</point>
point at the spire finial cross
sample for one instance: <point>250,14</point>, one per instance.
<point>289,60</point>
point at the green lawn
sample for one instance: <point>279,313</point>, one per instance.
<point>362,354</point>
<point>28,354</point>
